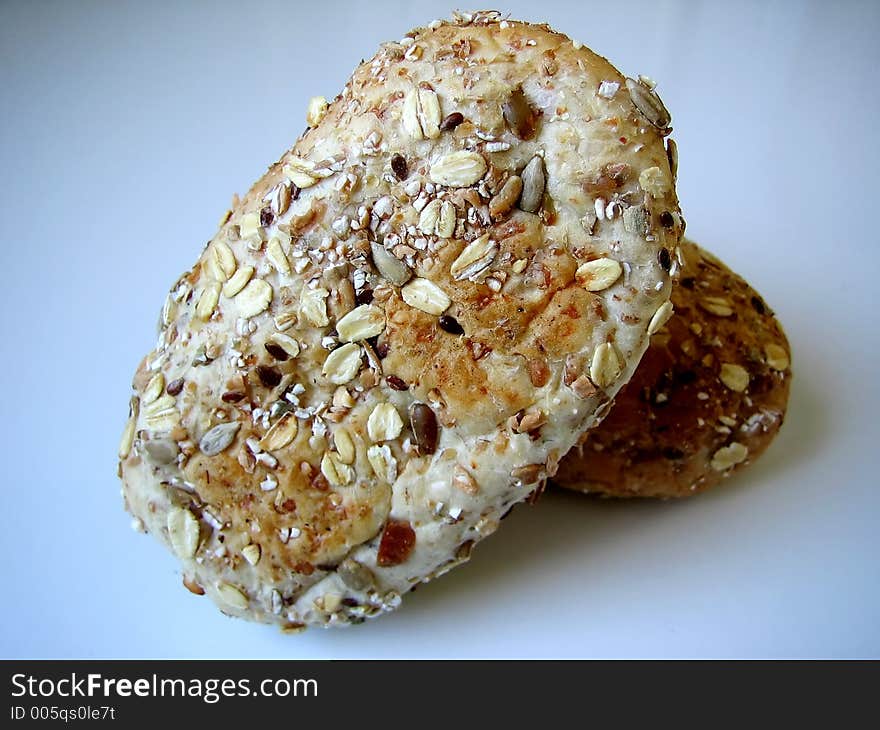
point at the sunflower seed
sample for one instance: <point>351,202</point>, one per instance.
<point>648,103</point>
<point>161,451</point>
<point>672,156</point>
<point>254,298</point>
<point>238,281</point>
<point>519,115</point>
<point>277,257</point>
<point>504,200</point>
<point>389,266</point>
<point>735,377</point>
<point>728,456</point>
<point>208,300</point>
<point>534,181</point>
<point>424,427</point>
<point>219,438</point>
<point>251,553</point>
<point>426,296</point>
<point>475,258</point>
<point>605,366</point>
<point>232,596</point>
<point>660,318</point>
<point>282,432</point>
<point>342,364</point>
<point>313,306</point>
<point>183,531</point>
<point>599,274</point>
<point>383,463</point>
<point>316,110</point>
<point>384,423</point>
<point>361,323</point>
<point>458,169</point>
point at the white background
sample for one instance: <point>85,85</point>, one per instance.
<point>126,127</point>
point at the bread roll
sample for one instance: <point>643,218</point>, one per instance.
<point>404,325</point>
<point>707,399</point>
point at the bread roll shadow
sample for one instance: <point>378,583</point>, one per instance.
<point>561,534</point>
<point>567,532</point>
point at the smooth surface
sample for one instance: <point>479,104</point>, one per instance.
<point>124,130</point>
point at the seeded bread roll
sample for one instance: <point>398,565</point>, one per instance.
<point>352,385</point>
<point>707,399</point>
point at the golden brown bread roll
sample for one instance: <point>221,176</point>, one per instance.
<point>706,400</point>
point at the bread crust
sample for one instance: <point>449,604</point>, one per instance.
<point>708,398</point>
<point>323,501</point>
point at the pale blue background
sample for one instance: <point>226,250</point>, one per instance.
<point>126,127</point>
